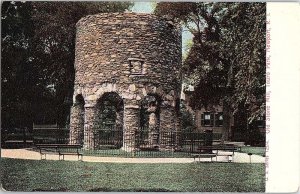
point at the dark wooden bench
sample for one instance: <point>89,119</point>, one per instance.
<point>60,149</point>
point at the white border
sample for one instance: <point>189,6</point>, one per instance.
<point>282,161</point>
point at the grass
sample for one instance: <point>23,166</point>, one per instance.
<point>31,175</point>
<point>254,150</point>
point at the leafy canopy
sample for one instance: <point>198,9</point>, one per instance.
<point>38,50</point>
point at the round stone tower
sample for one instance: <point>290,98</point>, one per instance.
<point>133,60</point>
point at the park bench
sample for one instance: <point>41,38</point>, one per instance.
<point>204,155</point>
<point>214,151</point>
<point>60,149</point>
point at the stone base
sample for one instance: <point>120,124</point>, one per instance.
<point>128,148</point>
<point>88,147</point>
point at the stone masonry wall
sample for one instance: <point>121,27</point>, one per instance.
<point>131,54</point>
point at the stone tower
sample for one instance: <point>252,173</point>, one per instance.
<point>128,57</point>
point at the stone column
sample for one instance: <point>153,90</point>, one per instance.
<point>153,128</point>
<point>167,127</point>
<point>89,126</point>
<point>76,124</point>
<point>131,126</point>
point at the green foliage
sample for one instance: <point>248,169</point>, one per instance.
<point>23,86</point>
<point>30,175</point>
<point>226,63</point>
<point>187,119</point>
<point>37,61</point>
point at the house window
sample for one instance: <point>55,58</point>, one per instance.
<point>261,121</point>
<point>219,119</point>
<point>207,119</point>
<point>136,66</point>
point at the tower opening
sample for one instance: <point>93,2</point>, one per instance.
<point>109,121</point>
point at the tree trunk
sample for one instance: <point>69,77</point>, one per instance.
<point>226,122</point>
<point>226,130</point>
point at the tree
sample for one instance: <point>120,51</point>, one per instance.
<point>246,24</point>
<point>227,60</point>
<point>38,46</point>
<point>21,84</point>
<point>55,41</point>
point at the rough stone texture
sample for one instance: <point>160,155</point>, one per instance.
<point>89,127</point>
<point>167,117</point>
<point>153,127</point>
<point>133,55</point>
<point>131,125</point>
<point>77,122</point>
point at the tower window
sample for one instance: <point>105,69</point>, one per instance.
<point>136,66</point>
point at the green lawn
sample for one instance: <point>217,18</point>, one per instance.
<point>27,175</point>
<point>254,150</point>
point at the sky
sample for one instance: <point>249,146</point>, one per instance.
<point>148,7</point>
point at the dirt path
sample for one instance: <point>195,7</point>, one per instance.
<point>33,155</point>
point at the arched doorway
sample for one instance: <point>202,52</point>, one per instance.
<point>109,122</point>
<point>149,121</point>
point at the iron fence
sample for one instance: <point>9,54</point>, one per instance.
<point>51,136</point>
<point>109,141</point>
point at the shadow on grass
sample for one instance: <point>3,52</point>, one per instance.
<point>55,190</point>
<point>130,190</point>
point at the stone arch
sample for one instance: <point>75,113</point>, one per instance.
<point>109,120</point>
<point>77,120</point>
<point>106,88</point>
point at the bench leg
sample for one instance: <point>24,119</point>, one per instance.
<point>42,156</point>
<point>230,159</point>
<point>61,158</point>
